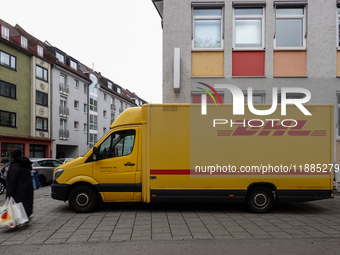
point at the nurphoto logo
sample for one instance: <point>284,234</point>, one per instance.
<point>238,99</point>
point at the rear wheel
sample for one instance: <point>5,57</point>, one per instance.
<point>42,180</point>
<point>83,199</point>
<point>260,200</point>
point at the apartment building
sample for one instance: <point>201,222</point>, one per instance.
<point>257,44</point>
<point>25,93</point>
<point>52,105</point>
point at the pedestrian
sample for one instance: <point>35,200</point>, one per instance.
<point>19,181</point>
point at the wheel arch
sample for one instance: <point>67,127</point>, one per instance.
<point>268,185</point>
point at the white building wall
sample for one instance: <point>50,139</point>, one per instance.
<point>77,137</point>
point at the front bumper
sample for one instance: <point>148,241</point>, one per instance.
<point>59,191</point>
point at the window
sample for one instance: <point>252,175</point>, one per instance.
<point>8,60</point>
<point>257,99</point>
<point>60,57</point>
<point>109,84</point>
<point>37,151</point>
<point>290,28</point>
<point>93,138</point>
<point>85,108</point>
<point>85,128</point>
<point>117,145</point>
<point>5,32</point>
<point>248,27</point>
<point>119,90</point>
<point>112,100</point>
<point>41,98</point>
<point>62,79</point>
<point>41,73</point>
<point>93,104</point>
<point>76,104</point>
<point>63,124</point>
<point>41,124</point>
<point>40,51</point>
<point>76,125</point>
<point>104,96</point>
<point>290,96</point>
<point>104,130</point>
<point>207,27</point>
<point>85,89</point>
<point>112,117</point>
<point>104,114</point>
<point>24,42</point>
<point>76,84</point>
<point>6,149</point>
<point>8,90</point>
<point>73,64</point>
<point>63,103</point>
<point>93,122</point>
<point>8,119</point>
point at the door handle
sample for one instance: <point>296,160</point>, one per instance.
<point>129,164</point>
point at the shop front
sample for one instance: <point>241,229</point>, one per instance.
<point>32,147</point>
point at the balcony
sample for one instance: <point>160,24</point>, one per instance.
<point>64,89</point>
<point>64,111</point>
<point>113,107</point>
<point>63,134</point>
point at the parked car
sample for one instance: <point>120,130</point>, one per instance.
<point>2,182</point>
<point>45,167</point>
<point>64,160</point>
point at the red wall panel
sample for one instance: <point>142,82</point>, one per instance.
<point>248,63</point>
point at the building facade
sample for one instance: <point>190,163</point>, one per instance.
<point>25,120</point>
<point>51,105</point>
<point>257,44</point>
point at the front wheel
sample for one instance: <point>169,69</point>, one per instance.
<point>83,199</point>
<point>260,200</point>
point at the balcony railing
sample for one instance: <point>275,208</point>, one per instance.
<point>64,89</point>
<point>113,107</point>
<point>63,134</point>
<point>64,111</point>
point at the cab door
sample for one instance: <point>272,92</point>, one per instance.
<point>116,165</point>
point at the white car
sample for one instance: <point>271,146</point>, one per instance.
<point>45,168</point>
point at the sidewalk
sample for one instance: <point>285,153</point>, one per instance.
<point>55,223</point>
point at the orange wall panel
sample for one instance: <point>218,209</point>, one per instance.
<point>338,63</point>
<point>290,63</point>
<point>248,63</point>
<point>207,63</point>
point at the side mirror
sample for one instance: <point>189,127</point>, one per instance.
<point>95,153</point>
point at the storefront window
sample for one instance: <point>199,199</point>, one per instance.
<point>6,149</point>
<point>37,151</point>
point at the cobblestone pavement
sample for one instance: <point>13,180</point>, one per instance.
<point>56,223</point>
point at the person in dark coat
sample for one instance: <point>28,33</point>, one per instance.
<point>19,181</point>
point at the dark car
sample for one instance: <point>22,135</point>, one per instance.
<point>45,168</point>
<point>2,181</point>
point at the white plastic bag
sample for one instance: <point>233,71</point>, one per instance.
<point>19,213</point>
<point>6,215</point>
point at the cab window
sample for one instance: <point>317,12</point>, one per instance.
<point>117,144</point>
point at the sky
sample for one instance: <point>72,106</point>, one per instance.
<point>121,38</point>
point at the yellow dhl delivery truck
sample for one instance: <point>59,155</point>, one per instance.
<point>174,153</point>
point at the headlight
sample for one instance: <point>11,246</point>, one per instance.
<point>57,173</point>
